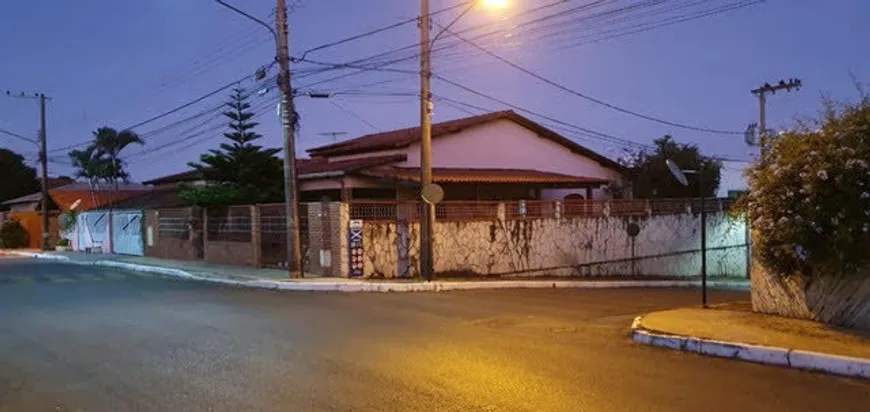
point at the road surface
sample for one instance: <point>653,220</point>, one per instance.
<point>76,338</point>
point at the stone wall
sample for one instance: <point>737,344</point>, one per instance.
<point>837,300</point>
<point>667,245</point>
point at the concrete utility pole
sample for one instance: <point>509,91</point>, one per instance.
<point>288,121</point>
<point>761,92</point>
<point>43,161</point>
<point>427,221</point>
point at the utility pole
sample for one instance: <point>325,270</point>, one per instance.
<point>762,92</point>
<point>427,221</point>
<point>288,120</point>
<point>43,161</point>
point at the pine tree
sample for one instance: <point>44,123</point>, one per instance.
<point>240,171</point>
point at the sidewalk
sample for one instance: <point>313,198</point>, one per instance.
<point>734,331</point>
<point>280,280</point>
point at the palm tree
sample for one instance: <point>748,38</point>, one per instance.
<point>109,142</point>
<point>100,160</point>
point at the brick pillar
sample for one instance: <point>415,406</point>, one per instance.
<point>256,237</point>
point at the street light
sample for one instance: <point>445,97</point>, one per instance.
<point>427,222</point>
<point>680,175</point>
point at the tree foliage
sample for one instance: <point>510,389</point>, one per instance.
<point>18,178</point>
<point>810,195</point>
<point>100,160</point>
<point>239,171</point>
<point>650,177</point>
<point>13,235</point>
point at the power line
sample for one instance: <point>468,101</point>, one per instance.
<point>17,136</point>
<point>378,30</point>
<point>593,99</point>
<point>356,116</point>
<point>592,133</point>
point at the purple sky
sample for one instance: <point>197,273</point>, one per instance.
<point>118,63</point>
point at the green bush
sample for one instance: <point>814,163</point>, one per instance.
<point>810,195</point>
<point>63,242</point>
<point>13,235</point>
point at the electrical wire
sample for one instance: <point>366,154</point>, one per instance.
<point>356,116</point>
<point>593,99</point>
<point>17,136</point>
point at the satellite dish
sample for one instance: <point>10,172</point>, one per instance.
<point>432,194</point>
<point>75,204</point>
<point>678,174</point>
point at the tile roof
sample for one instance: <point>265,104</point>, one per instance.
<point>402,138</point>
<point>303,167</point>
<point>90,199</point>
<point>465,175</point>
<point>322,165</point>
<point>188,176</point>
<point>159,198</point>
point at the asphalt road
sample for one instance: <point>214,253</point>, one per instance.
<point>76,338</point>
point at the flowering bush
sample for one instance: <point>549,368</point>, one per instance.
<point>810,197</point>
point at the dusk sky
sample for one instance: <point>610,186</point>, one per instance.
<point>118,63</point>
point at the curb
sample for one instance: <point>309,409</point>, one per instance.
<point>381,287</point>
<point>768,355</point>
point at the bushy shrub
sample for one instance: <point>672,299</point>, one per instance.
<point>810,195</point>
<point>13,235</point>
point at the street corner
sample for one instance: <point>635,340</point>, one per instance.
<point>732,331</point>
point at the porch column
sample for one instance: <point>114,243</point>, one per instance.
<point>588,193</point>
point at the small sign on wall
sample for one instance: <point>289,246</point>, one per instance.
<point>355,236</point>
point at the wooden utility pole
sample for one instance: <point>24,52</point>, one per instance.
<point>762,92</point>
<point>427,221</point>
<point>43,161</point>
<point>288,120</point>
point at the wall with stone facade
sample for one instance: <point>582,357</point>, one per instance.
<point>666,245</point>
<point>839,300</point>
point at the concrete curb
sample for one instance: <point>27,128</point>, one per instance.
<point>370,286</point>
<point>768,355</point>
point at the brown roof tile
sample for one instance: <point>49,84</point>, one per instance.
<point>322,165</point>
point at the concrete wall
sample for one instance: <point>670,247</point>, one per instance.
<point>667,245</point>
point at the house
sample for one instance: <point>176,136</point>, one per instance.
<point>495,156</point>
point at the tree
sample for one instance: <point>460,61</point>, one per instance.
<point>809,204</point>
<point>240,171</point>
<point>18,178</point>
<point>101,161</point>
<point>650,177</point>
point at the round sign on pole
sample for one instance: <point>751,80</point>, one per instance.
<point>432,194</point>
